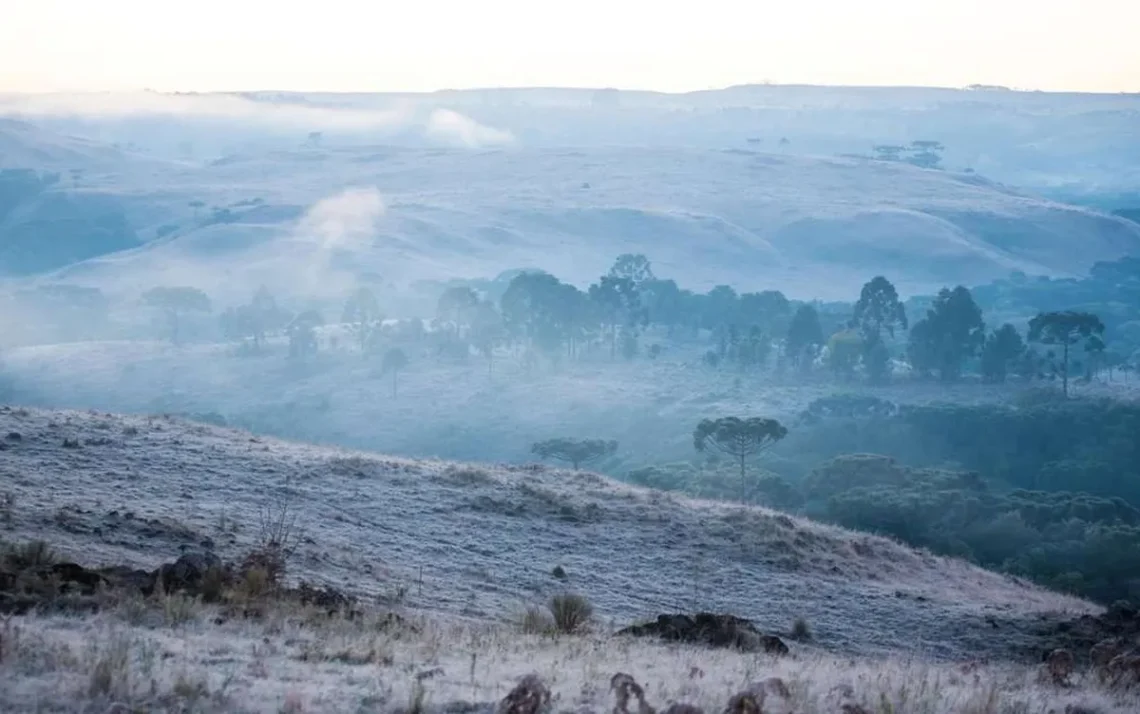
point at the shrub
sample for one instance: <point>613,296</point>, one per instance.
<point>800,630</point>
<point>571,612</point>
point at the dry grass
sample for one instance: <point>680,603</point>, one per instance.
<point>297,660</point>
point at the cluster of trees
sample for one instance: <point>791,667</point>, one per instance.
<point>1048,488</point>
<point>536,314</point>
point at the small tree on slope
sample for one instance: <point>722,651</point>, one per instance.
<point>739,438</point>
<point>574,451</point>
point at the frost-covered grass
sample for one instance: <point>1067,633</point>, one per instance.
<point>483,541</point>
<point>301,662</point>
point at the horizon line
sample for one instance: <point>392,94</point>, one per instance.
<point>972,88</point>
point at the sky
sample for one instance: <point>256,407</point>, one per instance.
<point>664,45</point>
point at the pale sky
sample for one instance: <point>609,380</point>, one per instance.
<point>422,45</point>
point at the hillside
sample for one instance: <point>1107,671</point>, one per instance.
<point>811,227</point>
<point>480,541</point>
<point>502,186</point>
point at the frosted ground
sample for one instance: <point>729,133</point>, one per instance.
<point>460,550</point>
<point>481,541</point>
<point>294,664</point>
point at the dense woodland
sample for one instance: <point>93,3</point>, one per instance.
<point>1047,488</point>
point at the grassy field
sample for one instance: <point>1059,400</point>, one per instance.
<point>178,659</point>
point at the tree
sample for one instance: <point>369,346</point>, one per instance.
<point>394,361</point>
<point>174,302</point>
<point>636,267</point>
<point>878,309</point>
<point>302,332</point>
<point>768,309</point>
<point>574,451</point>
<point>455,307</point>
<point>253,320</point>
<point>663,302</point>
<point>843,350</point>
<point>1067,329</point>
<point>619,304</point>
<point>805,336</point>
<point>487,331</point>
<point>951,333</point>
<point>538,307</point>
<point>721,306</point>
<point>1004,348</point>
<point>362,313</point>
<point>739,438</point>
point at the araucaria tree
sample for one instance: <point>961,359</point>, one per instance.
<point>951,333</point>
<point>174,302</point>
<point>739,438</point>
<point>574,451</point>
<point>394,361</point>
<point>878,309</point>
<point>1067,329</point>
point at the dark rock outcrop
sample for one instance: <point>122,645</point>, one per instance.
<point>709,629</point>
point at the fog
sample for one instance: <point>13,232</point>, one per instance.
<point>478,275</point>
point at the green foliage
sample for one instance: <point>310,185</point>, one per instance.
<point>843,351</point>
<point>805,337</point>
<point>951,333</point>
<point>718,481</point>
<point>879,309</point>
<point>1072,541</point>
<point>1004,351</point>
<point>574,451</point>
<point>635,268</point>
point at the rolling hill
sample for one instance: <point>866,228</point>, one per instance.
<point>479,542</point>
<point>814,227</point>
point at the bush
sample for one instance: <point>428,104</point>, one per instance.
<point>800,630</point>
<point>571,612</point>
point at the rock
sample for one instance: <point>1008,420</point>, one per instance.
<point>131,578</point>
<point>530,696</point>
<point>721,631</point>
<point>1060,665</point>
<point>188,573</point>
<point>15,436</point>
<point>75,577</point>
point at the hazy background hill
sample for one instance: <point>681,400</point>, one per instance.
<point>755,186</point>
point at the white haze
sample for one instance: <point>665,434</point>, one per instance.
<point>444,126</point>
<point>453,128</point>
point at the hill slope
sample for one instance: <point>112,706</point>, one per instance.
<point>810,226</point>
<point>481,542</point>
